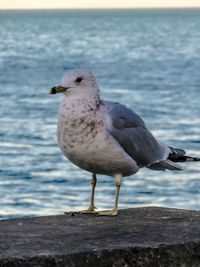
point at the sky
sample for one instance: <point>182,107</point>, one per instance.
<point>37,4</point>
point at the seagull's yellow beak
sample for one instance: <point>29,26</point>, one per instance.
<point>58,89</point>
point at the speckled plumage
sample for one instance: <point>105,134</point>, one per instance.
<point>84,139</point>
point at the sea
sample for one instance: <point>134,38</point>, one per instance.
<point>146,59</point>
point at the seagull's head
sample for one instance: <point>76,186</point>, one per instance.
<point>78,83</point>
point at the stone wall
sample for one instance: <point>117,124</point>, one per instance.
<point>148,236</point>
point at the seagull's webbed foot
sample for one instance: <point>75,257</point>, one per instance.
<point>90,210</point>
<point>112,212</point>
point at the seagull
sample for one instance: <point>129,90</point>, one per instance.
<point>104,137</point>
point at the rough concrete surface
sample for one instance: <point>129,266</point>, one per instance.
<point>149,236</point>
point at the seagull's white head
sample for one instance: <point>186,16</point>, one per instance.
<point>78,83</point>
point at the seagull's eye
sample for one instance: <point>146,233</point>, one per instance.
<point>79,79</point>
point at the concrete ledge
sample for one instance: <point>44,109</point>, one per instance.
<point>136,237</point>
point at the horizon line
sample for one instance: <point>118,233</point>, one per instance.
<point>100,8</point>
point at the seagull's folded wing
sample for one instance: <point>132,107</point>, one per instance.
<point>133,136</point>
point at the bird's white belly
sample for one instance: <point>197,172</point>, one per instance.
<point>89,146</point>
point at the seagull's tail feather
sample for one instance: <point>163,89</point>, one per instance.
<point>165,165</point>
<point>185,159</point>
<point>178,155</point>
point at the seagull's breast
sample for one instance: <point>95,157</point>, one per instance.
<point>84,140</point>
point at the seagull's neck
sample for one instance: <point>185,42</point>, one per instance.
<point>81,105</point>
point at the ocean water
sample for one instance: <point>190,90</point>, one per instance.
<point>146,59</point>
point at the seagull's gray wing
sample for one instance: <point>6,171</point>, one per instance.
<point>133,136</point>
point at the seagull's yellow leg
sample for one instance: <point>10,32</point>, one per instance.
<point>114,211</point>
<point>91,208</point>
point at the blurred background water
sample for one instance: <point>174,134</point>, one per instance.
<point>147,59</point>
